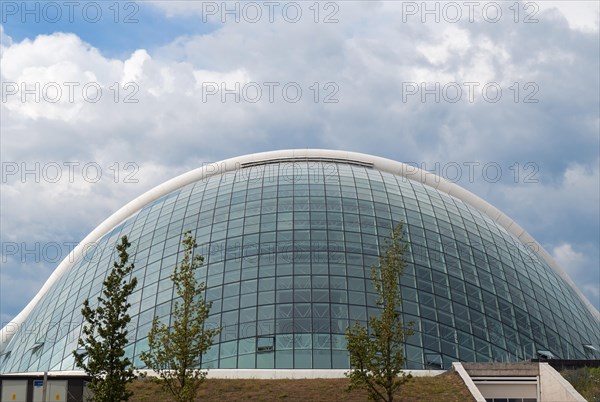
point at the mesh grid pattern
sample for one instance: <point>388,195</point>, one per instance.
<point>288,248</point>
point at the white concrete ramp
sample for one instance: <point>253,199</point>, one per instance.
<point>525,381</point>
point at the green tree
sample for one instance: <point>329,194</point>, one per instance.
<point>377,353</point>
<point>105,334</point>
<point>174,353</point>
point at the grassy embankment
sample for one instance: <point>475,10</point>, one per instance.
<point>446,387</point>
<point>586,381</point>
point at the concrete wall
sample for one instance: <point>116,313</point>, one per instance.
<point>459,368</point>
<point>553,387</point>
<point>504,377</point>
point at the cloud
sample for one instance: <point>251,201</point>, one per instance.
<point>581,268</point>
<point>592,290</point>
<point>5,40</point>
<point>557,205</point>
<point>177,7</point>
<point>581,15</point>
<point>55,77</point>
<point>570,260</point>
<point>160,113</point>
<point>454,41</point>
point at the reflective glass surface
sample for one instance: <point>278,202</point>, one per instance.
<point>287,254</point>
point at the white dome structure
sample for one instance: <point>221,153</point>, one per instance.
<point>288,239</point>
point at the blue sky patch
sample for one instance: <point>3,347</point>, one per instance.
<point>115,28</point>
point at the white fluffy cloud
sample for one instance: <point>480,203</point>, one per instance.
<point>195,101</point>
<point>570,260</point>
<point>581,15</point>
<point>581,268</point>
<point>568,202</point>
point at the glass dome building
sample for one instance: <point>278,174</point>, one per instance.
<point>288,239</point>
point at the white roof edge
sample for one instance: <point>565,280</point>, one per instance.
<point>232,164</point>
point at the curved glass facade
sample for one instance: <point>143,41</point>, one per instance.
<point>288,248</point>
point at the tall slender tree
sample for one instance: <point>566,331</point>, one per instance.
<point>377,352</point>
<point>105,334</point>
<point>174,353</point>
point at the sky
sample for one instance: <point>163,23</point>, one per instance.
<point>102,101</point>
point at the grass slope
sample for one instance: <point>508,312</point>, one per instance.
<point>446,387</point>
<point>586,381</point>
